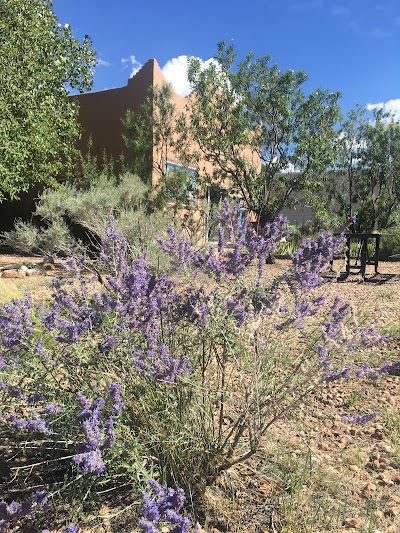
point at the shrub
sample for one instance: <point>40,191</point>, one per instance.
<point>175,377</point>
<point>30,239</point>
<point>73,216</point>
<point>24,237</point>
<point>390,243</point>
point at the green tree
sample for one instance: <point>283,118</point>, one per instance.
<point>342,182</point>
<point>150,133</point>
<point>259,133</point>
<point>366,177</point>
<point>40,62</point>
<point>378,178</point>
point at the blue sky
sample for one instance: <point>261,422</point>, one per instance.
<point>352,46</point>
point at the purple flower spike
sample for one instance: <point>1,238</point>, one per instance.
<point>359,419</point>
<point>71,528</point>
<point>16,510</point>
<point>163,506</point>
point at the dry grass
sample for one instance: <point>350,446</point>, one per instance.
<point>316,473</point>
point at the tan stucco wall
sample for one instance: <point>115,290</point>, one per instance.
<point>101,112</point>
<point>101,115</point>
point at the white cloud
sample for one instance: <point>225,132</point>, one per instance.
<point>175,71</point>
<point>133,62</point>
<point>391,106</point>
<point>102,63</point>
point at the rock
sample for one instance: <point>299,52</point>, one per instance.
<point>13,274</point>
<point>13,266</point>
<point>355,523</point>
<point>385,479</point>
<point>23,268</point>
<point>393,511</point>
<point>377,434</point>
<point>369,487</point>
<point>354,468</point>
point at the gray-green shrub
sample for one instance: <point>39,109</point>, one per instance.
<point>123,197</point>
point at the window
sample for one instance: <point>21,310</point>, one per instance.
<point>187,175</point>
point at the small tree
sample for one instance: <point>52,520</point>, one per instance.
<point>254,129</point>
<point>39,62</point>
<point>342,183</point>
<point>379,177</point>
<point>150,136</point>
<point>366,179</point>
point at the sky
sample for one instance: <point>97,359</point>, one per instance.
<point>351,46</point>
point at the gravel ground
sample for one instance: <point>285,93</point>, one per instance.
<point>316,473</point>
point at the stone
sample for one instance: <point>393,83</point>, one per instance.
<point>13,274</point>
<point>369,487</point>
<point>355,522</point>
<point>393,511</point>
<point>385,479</point>
<point>377,434</point>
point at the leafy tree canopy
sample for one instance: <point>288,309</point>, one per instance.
<point>247,112</point>
<point>367,171</point>
<point>40,61</point>
<point>150,133</point>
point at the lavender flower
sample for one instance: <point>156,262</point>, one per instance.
<point>247,246</point>
<point>98,436</point>
<point>359,419</point>
<point>115,395</point>
<point>52,408</point>
<point>163,506</point>
<point>71,528</point>
<point>92,462</point>
<point>14,510</point>
<point>16,324</point>
<point>158,364</point>
<point>36,424</point>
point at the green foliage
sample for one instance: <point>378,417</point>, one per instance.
<point>103,196</point>
<point>91,166</point>
<point>379,180</point>
<point>28,238</point>
<point>90,208</point>
<point>24,237</point>
<point>39,62</point>
<point>253,124</point>
<point>366,179</point>
<point>390,243</point>
<point>150,133</point>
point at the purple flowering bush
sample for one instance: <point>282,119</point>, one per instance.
<point>132,373</point>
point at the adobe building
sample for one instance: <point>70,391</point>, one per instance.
<point>101,113</point>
